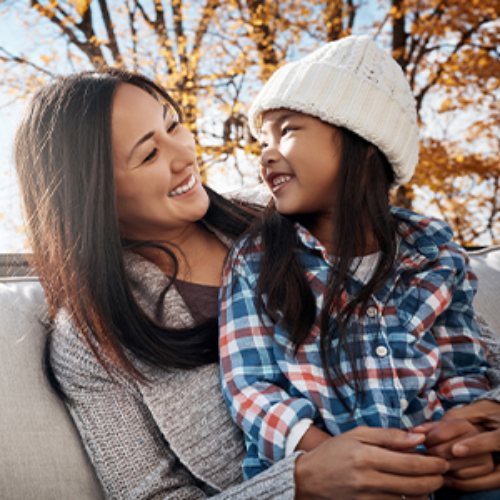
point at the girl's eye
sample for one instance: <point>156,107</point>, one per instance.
<point>151,156</point>
<point>285,130</point>
<point>264,145</point>
<point>172,126</point>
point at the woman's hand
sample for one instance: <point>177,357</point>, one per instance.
<point>442,436</point>
<point>369,464</point>
<point>485,414</point>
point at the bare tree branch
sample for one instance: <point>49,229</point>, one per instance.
<point>22,60</point>
<point>112,43</point>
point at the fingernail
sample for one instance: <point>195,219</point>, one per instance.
<point>459,450</point>
<point>415,436</point>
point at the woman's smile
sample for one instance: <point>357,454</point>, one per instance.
<point>184,188</point>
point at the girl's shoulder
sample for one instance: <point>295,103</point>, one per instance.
<point>421,230</point>
<point>425,239</point>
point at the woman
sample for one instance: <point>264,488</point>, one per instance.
<point>129,247</point>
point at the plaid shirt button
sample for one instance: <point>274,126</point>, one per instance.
<point>381,351</point>
<point>404,404</point>
<point>372,311</point>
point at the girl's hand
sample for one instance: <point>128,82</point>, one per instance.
<point>369,464</point>
<point>487,415</point>
<point>442,436</point>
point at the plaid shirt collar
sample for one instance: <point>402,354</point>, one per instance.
<point>420,239</point>
<point>423,234</point>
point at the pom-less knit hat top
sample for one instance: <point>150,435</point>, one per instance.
<point>350,83</point>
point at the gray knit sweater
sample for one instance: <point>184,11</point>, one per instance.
<point>170,439</point>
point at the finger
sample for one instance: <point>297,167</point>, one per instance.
<point>452,430</point>
<point>393,439</point>
<point>475,412</point>
<point>479,470</point>
<point>426,427</point>
<point>483,461</point>
<point>486,442</point>
<point>407,485</point>
<point>403,464</point>
<point>488,482</point>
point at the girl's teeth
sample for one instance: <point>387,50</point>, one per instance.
<point>280,180</point>
<point>183,189</point>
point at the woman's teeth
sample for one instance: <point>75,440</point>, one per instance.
<point>280,180</point>
<point>184,188</point>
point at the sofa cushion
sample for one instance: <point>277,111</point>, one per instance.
<point>41,454</point>
<point>486,264</point>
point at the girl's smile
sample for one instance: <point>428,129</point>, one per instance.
<point>277,181</point>
<point>300,161</point>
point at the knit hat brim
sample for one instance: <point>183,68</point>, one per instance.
<point>344,99</point>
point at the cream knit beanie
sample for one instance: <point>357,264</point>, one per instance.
<point>353,84</point>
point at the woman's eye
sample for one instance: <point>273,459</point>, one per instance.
<point>285,130</point>
<point>172,126</point>
<point>150,156</point>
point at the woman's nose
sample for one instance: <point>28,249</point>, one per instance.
<point>181,152</point>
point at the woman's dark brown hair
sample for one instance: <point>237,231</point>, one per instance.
<point>63,157</point>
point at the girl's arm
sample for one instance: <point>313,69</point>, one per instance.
<point>484,413</point>
<point>463,379</point>
<point>463,351</point>
<point>252,382</point>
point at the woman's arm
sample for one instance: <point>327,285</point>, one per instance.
<point>126,446</point>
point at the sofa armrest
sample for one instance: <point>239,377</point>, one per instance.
<point>486,264</point>
<point>41,453</point>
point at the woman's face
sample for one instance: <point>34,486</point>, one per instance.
<point>157,181</point>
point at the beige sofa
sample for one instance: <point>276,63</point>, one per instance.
<point>41,455</point>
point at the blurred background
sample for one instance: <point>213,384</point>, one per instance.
<point>214,56</point>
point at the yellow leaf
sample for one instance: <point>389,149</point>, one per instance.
<point>81,6</point>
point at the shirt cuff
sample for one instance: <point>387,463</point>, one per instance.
<point>296,434</point>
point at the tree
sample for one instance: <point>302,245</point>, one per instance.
<point>214,56</point>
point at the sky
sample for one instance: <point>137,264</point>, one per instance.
<point>11,237</point>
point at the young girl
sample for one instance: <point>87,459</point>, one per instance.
<point>341,311</point>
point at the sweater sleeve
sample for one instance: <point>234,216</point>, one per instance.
<point>255,388</point>
<point>492,341</point>
<point>127,448</point>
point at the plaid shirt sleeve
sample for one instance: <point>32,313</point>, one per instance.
<point>463,352</point>
<point>252,383</point>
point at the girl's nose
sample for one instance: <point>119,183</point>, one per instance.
<point>269,156</point>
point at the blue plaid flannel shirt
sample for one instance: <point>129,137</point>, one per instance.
<point>422,350</point>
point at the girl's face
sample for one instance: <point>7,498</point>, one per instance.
<point>300,161</point>
<point>157,181</point>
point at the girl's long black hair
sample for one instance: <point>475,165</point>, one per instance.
<point>63,157</point>
<point>362,209</point>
